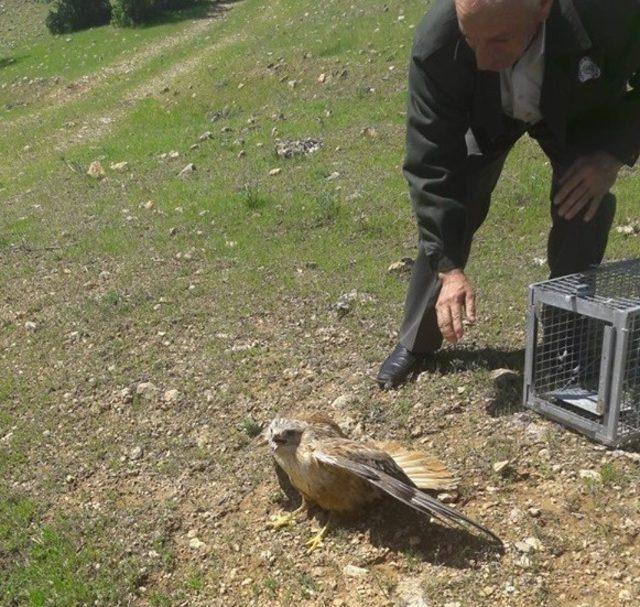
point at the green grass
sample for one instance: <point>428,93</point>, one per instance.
<point>49,564</point>
<point>267,256</point>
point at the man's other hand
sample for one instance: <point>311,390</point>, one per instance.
<point>455,299</point>
<point>585,184</point>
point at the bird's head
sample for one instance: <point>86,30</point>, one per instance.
<point>285,433</point>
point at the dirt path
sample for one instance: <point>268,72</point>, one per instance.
<point>83,86</point>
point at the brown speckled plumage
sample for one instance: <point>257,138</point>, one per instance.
<point>344,476</point>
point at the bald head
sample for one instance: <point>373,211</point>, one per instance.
<point>499,31</point>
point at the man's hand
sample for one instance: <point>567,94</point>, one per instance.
<point>585,184</point>
<point>456,297</point>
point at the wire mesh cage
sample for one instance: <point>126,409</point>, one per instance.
<point>582,361</point>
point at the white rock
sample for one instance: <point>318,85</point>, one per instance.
<point>30,325</point>
<point>135,453</point>
<point>273,172</point>
<point>190,168</point>
<point>593,475</point>
<point>531,544</point>
<point>353,571</point>
<point>96,170</point>
<point>146,389</point>
<point>171,396</point>
<point>196,544</point>
<point>447,498</point>
<point>505,378</point>
<point>343,401</point>
<point>401,267</point>
<point>119,167</point>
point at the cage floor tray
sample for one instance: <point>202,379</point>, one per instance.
<point>587,400</point>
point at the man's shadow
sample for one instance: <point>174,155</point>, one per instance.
<point>390,524</point>
<point>507,398</point>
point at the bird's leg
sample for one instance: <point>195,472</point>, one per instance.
<point>316,540</point>
<point>288,519</point>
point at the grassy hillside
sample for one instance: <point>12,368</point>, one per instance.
<point>222,285</point>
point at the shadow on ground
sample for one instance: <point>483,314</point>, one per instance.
<point>390,524</point>
<point>7,61</point>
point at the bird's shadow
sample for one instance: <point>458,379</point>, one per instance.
<point>392,525</point>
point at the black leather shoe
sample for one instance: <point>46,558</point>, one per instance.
<point>400,365</point>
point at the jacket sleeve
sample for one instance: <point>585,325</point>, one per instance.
<point>623,140</point>
<point>437,121</point>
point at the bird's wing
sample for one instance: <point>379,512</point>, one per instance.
<point>336,455</point>
<point>425,471</point>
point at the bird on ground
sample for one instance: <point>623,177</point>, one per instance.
<point>344,476</point>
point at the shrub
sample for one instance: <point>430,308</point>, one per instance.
<point>71,15</point>
<point>134,12</point>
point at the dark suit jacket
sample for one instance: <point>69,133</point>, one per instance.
<point>448,95</point>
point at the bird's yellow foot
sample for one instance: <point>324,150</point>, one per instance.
<point>316,541</point>
<point>285,520</point>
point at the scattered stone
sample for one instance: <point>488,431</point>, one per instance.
<point>539,261</point>
<point>505,379</point>
<point>30,325</point>
<point>297,147</point>
<point>322,78</point>
<point>171,396</point>
<point>369,131</point>
<point>629,229</point>
<point>146,389</point>
<point>410,593</point>
<point>536,432</point>
<point>96,171</point>
<point>534,512</point>
<point>136,453</point>
<point>501,467</point>
<point>196,544</point>
<point>447,497</point>
<point>148,205</point>
<point>333,176</point>
<point>173,155</point>
<point>592,475</point>
<point>119,167</point>
<point>344,401</point>
<point>403,266</point>
<point>531,544</point>
<point>206,135</point>
<point>353,571</point>
<point>343,305</point>
<point>274,172</point>
<point>190,168</point>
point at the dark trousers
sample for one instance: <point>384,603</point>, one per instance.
<point>573,245</point>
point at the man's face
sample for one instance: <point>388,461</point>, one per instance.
<point>499,33</point>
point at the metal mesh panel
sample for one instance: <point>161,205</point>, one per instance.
<point>568,353</point>
<point>629,420</point>
<point>615,285</point>
<point>583,351</point>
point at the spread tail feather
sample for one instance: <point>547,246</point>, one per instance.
<point>425,471</point>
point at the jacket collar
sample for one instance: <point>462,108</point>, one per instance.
<point>566,41</point>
